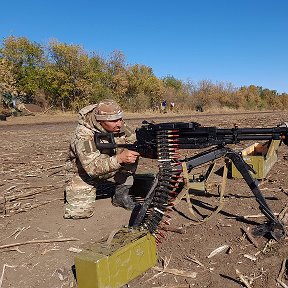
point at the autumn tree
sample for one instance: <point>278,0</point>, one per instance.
<point>100,78</point>
<point>252,97</point>
<point>66,75</point>
<point>144,88</point>
<point>173,88</point>
<point>117,71</point>
<point>7,79</point>
<point>203,94</point>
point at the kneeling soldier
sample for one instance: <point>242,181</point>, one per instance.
<point>87,166</point>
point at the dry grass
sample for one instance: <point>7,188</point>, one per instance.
<point>59,116</point>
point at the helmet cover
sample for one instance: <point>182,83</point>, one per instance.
<point>108,110</point>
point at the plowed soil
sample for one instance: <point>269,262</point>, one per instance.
<point>32,181</point>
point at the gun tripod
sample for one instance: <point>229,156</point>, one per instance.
<point>274,226</point>
<point>201,185</point>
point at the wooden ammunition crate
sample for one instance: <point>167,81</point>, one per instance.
<point>261,157</point>
<point>112,264</point>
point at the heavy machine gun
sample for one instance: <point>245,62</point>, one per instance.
<point>164,140</point>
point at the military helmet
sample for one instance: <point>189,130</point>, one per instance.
<point>108,110</point>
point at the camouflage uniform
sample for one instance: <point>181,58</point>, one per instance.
<point>87,166</point>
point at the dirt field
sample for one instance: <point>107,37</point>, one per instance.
<point>33,151</point>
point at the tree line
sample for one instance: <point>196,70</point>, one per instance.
<point>67,77</point>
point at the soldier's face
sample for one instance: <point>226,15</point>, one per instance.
<point>112,126</point>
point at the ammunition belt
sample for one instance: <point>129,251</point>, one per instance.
<point>169,179</point>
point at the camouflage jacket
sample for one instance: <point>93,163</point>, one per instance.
<point>84,154</point>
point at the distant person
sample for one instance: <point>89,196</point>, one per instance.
<point>155,108</point>
<point>87,166</point>
<point>199,108</point>
<point>164,106</point>
<point>172,105</point>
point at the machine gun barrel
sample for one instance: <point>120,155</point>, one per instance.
<point>234,133</point>
<point>191,135</point>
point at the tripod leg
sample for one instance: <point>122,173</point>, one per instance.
<point>275,227</point>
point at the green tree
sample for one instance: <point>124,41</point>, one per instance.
<point>171,82</point>
<point>27,59</point>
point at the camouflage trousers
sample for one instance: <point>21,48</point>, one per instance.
<point>80,195</point>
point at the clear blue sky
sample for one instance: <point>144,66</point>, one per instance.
<point>241,42</point>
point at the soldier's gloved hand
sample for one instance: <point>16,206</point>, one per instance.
<point>127,156</point>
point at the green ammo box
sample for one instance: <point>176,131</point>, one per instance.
<point>261,157</point>
<point>116,261</point>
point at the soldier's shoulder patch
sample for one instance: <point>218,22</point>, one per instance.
<point>89,146</point>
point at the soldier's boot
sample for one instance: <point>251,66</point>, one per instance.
<point>122,198</point>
